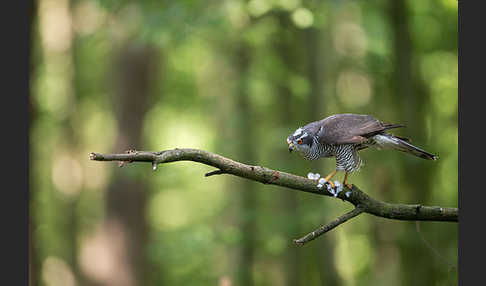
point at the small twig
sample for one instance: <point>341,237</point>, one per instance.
<point>217,172</point>
<point>325,228</point>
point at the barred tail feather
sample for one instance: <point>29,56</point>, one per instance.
<point>389,141</point>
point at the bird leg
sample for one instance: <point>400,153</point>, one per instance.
<point>345,182</point>
<point>329,177</point>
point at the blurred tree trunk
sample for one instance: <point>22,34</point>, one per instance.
<point>316,74</point>
<point>292,256</point>
<point>234,122</point>
<point>295,61</point>
<point>72,139</point>
<point>245,152</point>
<point>411,98</point>
<point>317,49</point>
<point>292,60</point>
<point>134,71</point>
<point>68,225</point>
<point>283,48</point>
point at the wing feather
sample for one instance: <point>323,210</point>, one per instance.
<point>350,128</point>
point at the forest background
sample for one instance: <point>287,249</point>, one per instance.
<point>235,78</point>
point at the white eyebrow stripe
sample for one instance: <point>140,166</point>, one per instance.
<point>298,132</point>
<point>302,136</point>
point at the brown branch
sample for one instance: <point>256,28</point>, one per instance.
<point>217,172</point>
<point>325,228</point>
<point>362,202</point>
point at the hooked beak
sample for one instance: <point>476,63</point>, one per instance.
<point>291,146</point>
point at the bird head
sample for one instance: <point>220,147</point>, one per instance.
<point>301,140</point>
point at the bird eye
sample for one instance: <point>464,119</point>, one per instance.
<point>300,141</point>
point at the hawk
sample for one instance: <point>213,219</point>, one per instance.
<point>342,136</point>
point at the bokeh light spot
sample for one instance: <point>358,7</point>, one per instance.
<point>168,210</point>
<point>440,70</point>
<point>353,254</point>
<point>353,88</point>
<point>55,24</point>
<point>56,272</point>
<point>88,16</point>
<point>257,8</point>
<point>67,174</point>
<point>350,40</point>
<point>288,5</point>
<point>303,17</point>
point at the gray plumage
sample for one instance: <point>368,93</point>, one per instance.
<point>343,135</point>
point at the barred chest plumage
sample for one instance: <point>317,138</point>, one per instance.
<point>347,158</point>
<point>319,150</point>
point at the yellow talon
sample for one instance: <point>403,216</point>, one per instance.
<point>345,181</point>
<point>332,184</point>
<point>329,177</point>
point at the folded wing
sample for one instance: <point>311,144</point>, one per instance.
<point>350,128</point>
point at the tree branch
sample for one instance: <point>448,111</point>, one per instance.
<point>361,201</point>
<point>325,228</point>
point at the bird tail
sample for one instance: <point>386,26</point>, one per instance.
<point>389,141</point>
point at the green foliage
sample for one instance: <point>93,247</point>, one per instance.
<point>212,57</point>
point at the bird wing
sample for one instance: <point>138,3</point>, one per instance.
<point>350,128</point>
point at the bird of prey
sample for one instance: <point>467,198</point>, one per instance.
<point>342,136</point>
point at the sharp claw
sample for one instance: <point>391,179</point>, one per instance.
<point>332,184</point>
<point>321,182</point>
<point>339,188</point>
<point>331,189</point>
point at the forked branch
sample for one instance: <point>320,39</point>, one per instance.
<point>360,200</point>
